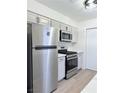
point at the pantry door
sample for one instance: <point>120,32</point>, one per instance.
<point>91,48</point>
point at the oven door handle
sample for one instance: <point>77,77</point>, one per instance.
<point>74,55</point>
<point>72,58</point>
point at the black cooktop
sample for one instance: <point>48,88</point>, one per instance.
<point>64,51</point>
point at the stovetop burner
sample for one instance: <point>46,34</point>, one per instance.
<point>64,51</point>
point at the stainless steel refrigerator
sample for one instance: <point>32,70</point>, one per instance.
<point>42,58</point>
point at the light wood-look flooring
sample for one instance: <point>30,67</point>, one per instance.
<point>76,83</point>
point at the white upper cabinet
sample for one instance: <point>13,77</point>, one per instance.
<point>65,27</point>
<point>31,17</point>
<point>35,18</point>
<point>74,35</point>
<point>43,20</point>
<point>55,24</point>
<point>69,28</point>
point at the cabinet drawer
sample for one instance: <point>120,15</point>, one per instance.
<point>61,59</point>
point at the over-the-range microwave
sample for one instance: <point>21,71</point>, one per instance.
<point>65,36</point>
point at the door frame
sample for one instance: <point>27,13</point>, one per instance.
<point>85,45</point>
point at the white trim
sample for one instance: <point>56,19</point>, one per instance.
<point>91,28</point>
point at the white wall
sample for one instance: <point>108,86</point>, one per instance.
<point>88,23</point>
<point>91,49</point>
<point>82,26</point>
<point>39,8</point>
<point>79,46</point>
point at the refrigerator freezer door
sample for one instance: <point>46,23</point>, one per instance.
<point>45,70</point>
<point>43,35</point>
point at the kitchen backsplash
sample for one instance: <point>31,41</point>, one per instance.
<point>63,45</point>
<point>69,46</point>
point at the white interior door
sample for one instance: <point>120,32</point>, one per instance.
<point>91,49</point>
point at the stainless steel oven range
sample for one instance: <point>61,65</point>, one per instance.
<point>71,63</point>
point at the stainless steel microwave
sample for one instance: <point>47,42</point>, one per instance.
<point>65,36</point>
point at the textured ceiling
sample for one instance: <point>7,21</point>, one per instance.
<point>71,8</point>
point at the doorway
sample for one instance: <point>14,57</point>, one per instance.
<point>91,48</point>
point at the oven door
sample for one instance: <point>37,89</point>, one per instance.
<point>71,64</point>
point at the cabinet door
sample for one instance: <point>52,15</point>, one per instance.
<point>74,35</point>
<point>61,68</point>
<point>31,17</point>
<point>55,24</point>
<point>43,20</point>
<point>80,60</point>
<point>69,28</point>
<point>34,18</point>
<point>63,27</point>
<point>91,49</point>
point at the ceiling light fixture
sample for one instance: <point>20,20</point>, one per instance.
<point>90,4</point>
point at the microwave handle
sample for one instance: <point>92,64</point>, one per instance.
<point>71,37</point>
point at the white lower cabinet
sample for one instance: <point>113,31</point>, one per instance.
<point>61,68</point>
<point>80,60</point>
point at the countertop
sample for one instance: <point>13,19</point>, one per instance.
<point>78,51</point>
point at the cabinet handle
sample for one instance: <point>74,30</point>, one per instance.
<point>66,28</point>
<point>38,19</point>
<point>61,59</point>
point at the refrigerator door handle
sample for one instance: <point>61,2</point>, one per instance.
<point>45,47</point>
